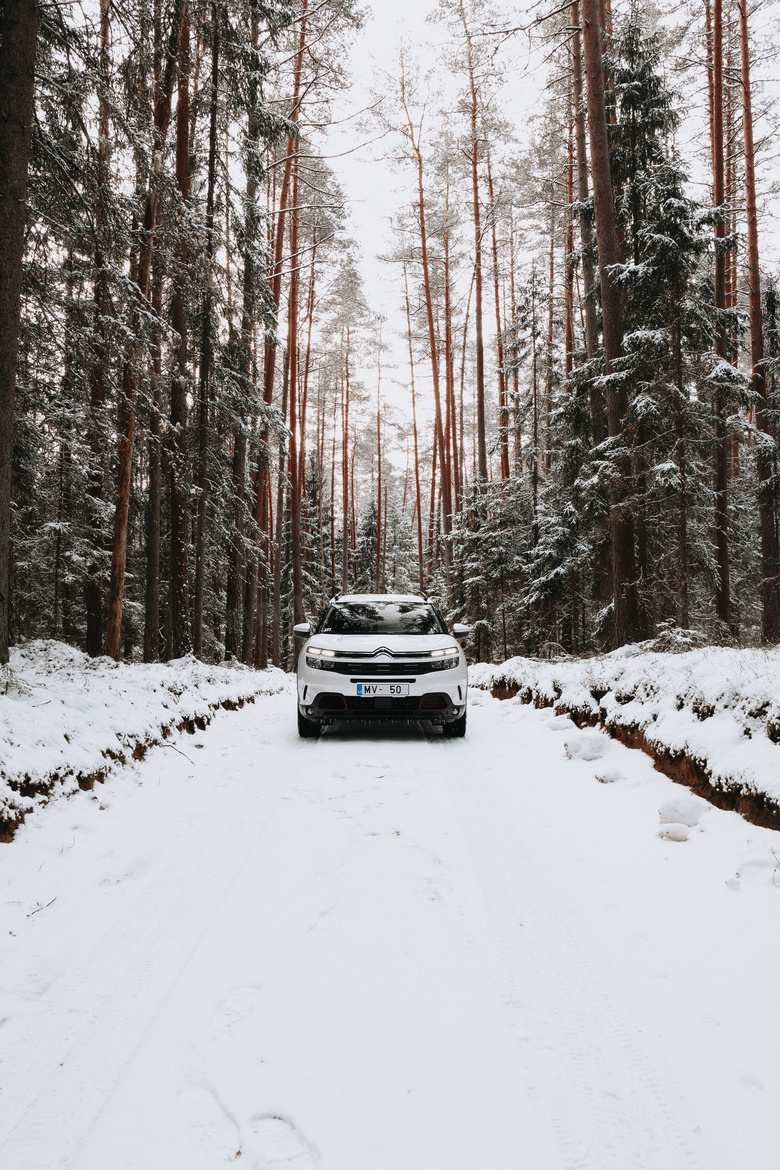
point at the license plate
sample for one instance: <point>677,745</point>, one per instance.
<point>382,690</point>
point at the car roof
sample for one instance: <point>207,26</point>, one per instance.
<point>360,597</point>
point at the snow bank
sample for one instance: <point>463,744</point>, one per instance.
<point>710,717</point>
<point>66,720</point>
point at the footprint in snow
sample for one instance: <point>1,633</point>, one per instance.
<point>237,1008</point>
<point>211,1122</point>
<point>275,1144</point>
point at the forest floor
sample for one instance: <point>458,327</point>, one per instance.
<point>384,950</point>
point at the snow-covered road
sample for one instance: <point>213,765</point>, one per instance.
<point>384,950</point>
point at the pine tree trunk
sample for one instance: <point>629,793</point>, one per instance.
<point>449,364</point>
<point>721,467</point>
<point>241,590</point>
<point>503,414</point>
<point>281,484</point>
<point>179,486</point>
<point>18,48</point>
<point>432,338</point>
<point>765,458</point>
<point>482,468</point>
<point>418,496</point>
<point>683,618</point>
<point>345,538</point>
<point>94,592</point>
<point>152,606</point>
<point>568,270</point>
<point>548,355</point>
<point>292,349</point>
<point>595,394</point>
<point>624,593</point>
<point>379,468</point>
<point>130,379</point>
<point>206,349</point>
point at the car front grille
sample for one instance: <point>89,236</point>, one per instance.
<point>383,669</point>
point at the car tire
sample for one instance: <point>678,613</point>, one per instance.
<point>457,729</point>
<point>308,728</point>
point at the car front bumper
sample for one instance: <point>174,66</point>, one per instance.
<point>439,696</point>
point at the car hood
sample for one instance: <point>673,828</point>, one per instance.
<point>394,643</point>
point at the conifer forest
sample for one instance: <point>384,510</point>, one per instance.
<point>562,421</point>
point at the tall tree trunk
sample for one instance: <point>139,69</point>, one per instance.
<point>162,117</point>
<point>206,347</point>
<point>682,494</point>
<point>432,337</point>
<point>179,487</point>
<point>482,468</point>
<point>152,607</point>
<point>449,362</point>
<point>624,592</point>
<point>418,496</point>
<point>94,592</point>
<point>595,394</point>
<point>281,484</point>
<point>292,349</point>
<point>241,590</point>
<point>18,47</point>
<point>721,468</point>
<point>568,270</point>
<point>379,466</point>
<point>503,414</point>
<point>548,353</point>
<point>345,473</point>
<point>765,459</point>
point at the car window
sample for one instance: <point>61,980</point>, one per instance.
<point>382,617</point>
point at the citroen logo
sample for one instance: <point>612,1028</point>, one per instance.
<point>383,650</point>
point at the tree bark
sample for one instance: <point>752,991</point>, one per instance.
<point>97,374</point>
<point>595,394</point>
<point>721,468</point>
<point>162,117</point>
<point>624,592</point>
<point>432,337</point>
<point>345,473</point>
<point>503,413</point>
<point>418,496</point>
<point>206,347</point>
<point>152,606</point>
<point>18,48</point>
<point>765,458</point>
<point>292,349</point>
<point>179,485</point>
<point>482,468</point>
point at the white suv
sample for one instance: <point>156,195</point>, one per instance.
<point>377,656</point>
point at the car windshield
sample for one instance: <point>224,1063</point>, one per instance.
<point>382,617</point>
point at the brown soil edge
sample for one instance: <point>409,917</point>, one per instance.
<point>133,749</point>
<point>756,807</point>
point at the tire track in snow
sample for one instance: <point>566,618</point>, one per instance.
<point>611,1105</point>
<point>137,961</point>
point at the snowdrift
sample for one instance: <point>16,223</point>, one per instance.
<point>67,720</point>
<point>710,718</point>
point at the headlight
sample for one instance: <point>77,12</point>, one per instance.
<point>318,651</point>
<point>318,663</point>
<point>445,663</point>
<point>447,652</point>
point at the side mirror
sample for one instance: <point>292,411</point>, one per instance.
<point>460,631</point>
<point>302,630</point>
